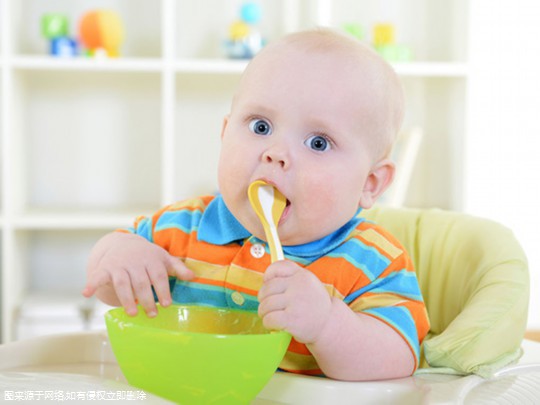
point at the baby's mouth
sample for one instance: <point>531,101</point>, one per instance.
<point>285,213</point>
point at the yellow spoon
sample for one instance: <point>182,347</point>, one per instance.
<point>268,203</point>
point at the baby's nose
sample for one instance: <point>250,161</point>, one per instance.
<point>276,156</point>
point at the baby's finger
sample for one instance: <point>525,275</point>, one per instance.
<point>282,268</point>
<point>275,320</point>
<point>95,281</point>
<point>160,281</point>
<point>272,304</point>
<point>177,268</point>
<point>124,292</point>
<point>272,287</point>
<point>142,289</point>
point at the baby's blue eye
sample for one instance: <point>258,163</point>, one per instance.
<point>260,127</point>
<point>318,143</point>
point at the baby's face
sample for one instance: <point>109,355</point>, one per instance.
<point>303,126</point>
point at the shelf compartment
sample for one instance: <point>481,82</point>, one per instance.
<point>42,314</point>
<point>141,20</point>
<point>52,273</point>
<point>55,260</point>
<point>435,105</point>
<point>202,102</point>
<point>87,142</point>
<point>203,27</point>
<point>435,30</point>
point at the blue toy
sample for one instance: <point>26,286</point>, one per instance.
<point>63,47</point>
<point>55,27</point>
<point>244,38</point>
<point>251,13</point>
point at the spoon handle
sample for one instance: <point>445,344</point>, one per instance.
<point>267,199</point>
<point>268,203</point>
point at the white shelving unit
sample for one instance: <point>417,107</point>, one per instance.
<point>86,145</point>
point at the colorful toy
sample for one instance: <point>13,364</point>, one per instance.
<point>385,44</point>
<point>63,47</point>
<point>244,38</point>
<point>383,34</point>
<point>55,27</point>
<point>102,33</point>
<point>354,29</point>
<point>395,53</point>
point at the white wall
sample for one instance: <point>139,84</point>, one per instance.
<point>502,170</point>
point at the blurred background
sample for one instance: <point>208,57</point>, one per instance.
<point>111,109</point>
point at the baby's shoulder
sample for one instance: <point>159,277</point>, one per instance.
<point>186,213</point>
<point>376,238</point>
<point>191,204</point>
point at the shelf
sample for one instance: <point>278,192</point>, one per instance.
<point>30,62</point>
<point>54,259</point>
<point>206,66</point>
<point>41,219</point>
<point>432,69</point>
<point>217,66</point>
<point>213,66</point>
<point>77,155</point>
<point>141,20</point>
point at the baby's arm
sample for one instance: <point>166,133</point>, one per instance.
<point>355,346</point>
<point>123,267</point>
<point>346,345</point>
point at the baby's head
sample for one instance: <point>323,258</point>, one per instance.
<point>315,114</point>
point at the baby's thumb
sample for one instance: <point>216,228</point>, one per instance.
<point>178,269</point>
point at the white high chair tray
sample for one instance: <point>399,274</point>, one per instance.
<point>81,366</point>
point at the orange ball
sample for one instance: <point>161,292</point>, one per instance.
<point>102,29</point>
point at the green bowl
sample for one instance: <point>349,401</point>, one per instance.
<point>196,355</point>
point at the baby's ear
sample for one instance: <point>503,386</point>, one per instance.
<point>224,125</point>
<point>379,179</point>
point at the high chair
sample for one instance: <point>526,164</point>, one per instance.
<point>474,278</point>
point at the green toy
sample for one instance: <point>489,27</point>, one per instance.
<point>54,25</point>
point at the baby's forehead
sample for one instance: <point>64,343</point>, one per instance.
<point>343,57</point>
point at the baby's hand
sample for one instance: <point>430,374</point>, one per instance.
<point>294,299</point>
<point>123,267</point>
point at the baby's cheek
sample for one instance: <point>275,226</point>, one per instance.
<point>334,202</point>
<point>321,193</point>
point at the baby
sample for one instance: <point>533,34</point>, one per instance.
<point>315,115</point>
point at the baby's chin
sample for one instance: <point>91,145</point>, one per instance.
<point>286,240</point>
<point>298,239</point>
<point>289,235</point>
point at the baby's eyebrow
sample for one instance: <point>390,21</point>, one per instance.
<point>259,108</point>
